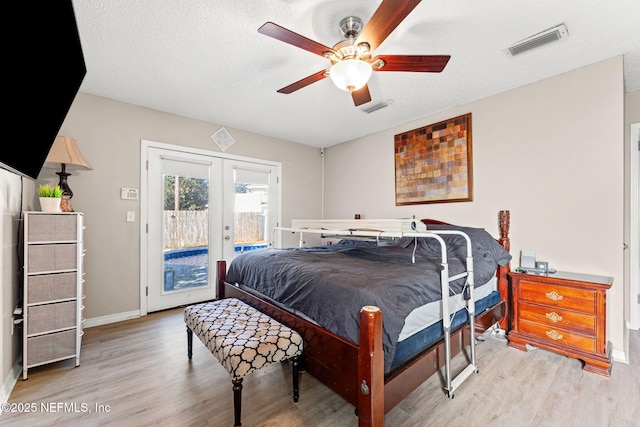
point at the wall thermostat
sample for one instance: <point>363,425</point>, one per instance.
<point>129,193</point>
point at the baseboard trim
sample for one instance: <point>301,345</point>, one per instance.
<point>112,318</point>
<point>619,356</point>
<point>11,380</point>
<point>622,356</point>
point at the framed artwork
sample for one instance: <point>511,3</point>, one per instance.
<point>434,163</point>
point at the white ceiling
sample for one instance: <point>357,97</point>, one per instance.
<point>205,59</point>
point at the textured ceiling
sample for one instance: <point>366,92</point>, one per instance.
<point>205,59</point>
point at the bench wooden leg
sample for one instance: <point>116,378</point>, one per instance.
<point>295,369</point>
<point>237,401</point>
<point>189,342</point>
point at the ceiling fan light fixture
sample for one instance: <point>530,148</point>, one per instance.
<point>350,74</point>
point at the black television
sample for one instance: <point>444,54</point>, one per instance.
<point>45,68</point>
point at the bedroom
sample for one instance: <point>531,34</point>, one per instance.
<point>540,143</point>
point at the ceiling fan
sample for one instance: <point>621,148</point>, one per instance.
<point>352,62</point>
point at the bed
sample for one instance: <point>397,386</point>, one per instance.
<point>374,363</point>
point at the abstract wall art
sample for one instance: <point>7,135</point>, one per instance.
<point>433,164</point>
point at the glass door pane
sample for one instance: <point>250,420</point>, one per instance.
<point>252,210</point>
<point>186,232</point>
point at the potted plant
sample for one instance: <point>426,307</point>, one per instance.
<point>50,197</point>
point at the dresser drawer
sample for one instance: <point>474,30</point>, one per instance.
<point>46,348</point>
<point>50,317</point>
<point>558,317</point>
<point>44,258</point>
<point>52,228</point>
<point>51,287</point>
<point>559,336</point>
<point>582,300</point>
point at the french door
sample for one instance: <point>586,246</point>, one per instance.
<point>250,209</point>
<point>198,207</point>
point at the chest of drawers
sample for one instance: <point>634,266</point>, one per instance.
<point>53,288</point>
<point>562,312</point>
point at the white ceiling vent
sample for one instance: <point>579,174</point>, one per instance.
<point>223,139</point>
<point>375,107</point>
<point>537,40</point>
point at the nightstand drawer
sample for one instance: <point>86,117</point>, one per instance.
<point>557,317</point>
<point>582,300</point>
<point>559,336</point>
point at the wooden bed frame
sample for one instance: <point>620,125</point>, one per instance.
<point>356,372</point>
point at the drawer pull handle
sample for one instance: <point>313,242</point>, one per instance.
<point>554,296</point>
<point>554,335</point>
<point>554,317</point>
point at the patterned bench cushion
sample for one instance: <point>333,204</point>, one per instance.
<point>242,338</point>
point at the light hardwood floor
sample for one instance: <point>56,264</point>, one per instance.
<point>136,373</point>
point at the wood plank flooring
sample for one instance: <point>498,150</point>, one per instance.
<point>136,373</point>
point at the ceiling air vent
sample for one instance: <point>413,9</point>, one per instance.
<point>537,40</point>
<point>375,107</point>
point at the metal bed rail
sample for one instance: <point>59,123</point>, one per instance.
<point>452,382</point>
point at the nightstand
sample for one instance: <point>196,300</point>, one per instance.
<point>562,312</point>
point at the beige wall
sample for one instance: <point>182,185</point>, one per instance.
<point>109,135</point>
<point>550,152</point>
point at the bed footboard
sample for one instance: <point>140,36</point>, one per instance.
<point>371,368</point>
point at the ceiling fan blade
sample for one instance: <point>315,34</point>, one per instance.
<point>280,33</point>
<point>361,96</point>
<point>415,63</point>
<point>384,20</point>
<point>304,82</point>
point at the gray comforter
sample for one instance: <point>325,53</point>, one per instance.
<point>330,284</point>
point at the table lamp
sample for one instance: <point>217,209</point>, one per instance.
<point>65,153</point>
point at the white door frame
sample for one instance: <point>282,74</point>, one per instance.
<point>634,227</point>
<point>144,208</point>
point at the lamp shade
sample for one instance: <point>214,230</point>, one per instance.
<point>65,151</point>
<point>350,74</point>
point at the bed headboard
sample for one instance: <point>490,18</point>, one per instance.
<point>504,222</point>
<point>504,218</point>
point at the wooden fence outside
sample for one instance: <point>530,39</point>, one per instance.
<point>185,229</point>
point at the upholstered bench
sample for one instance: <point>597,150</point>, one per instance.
<point>243,340</point>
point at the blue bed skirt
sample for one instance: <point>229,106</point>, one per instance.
<point>409,347</point>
